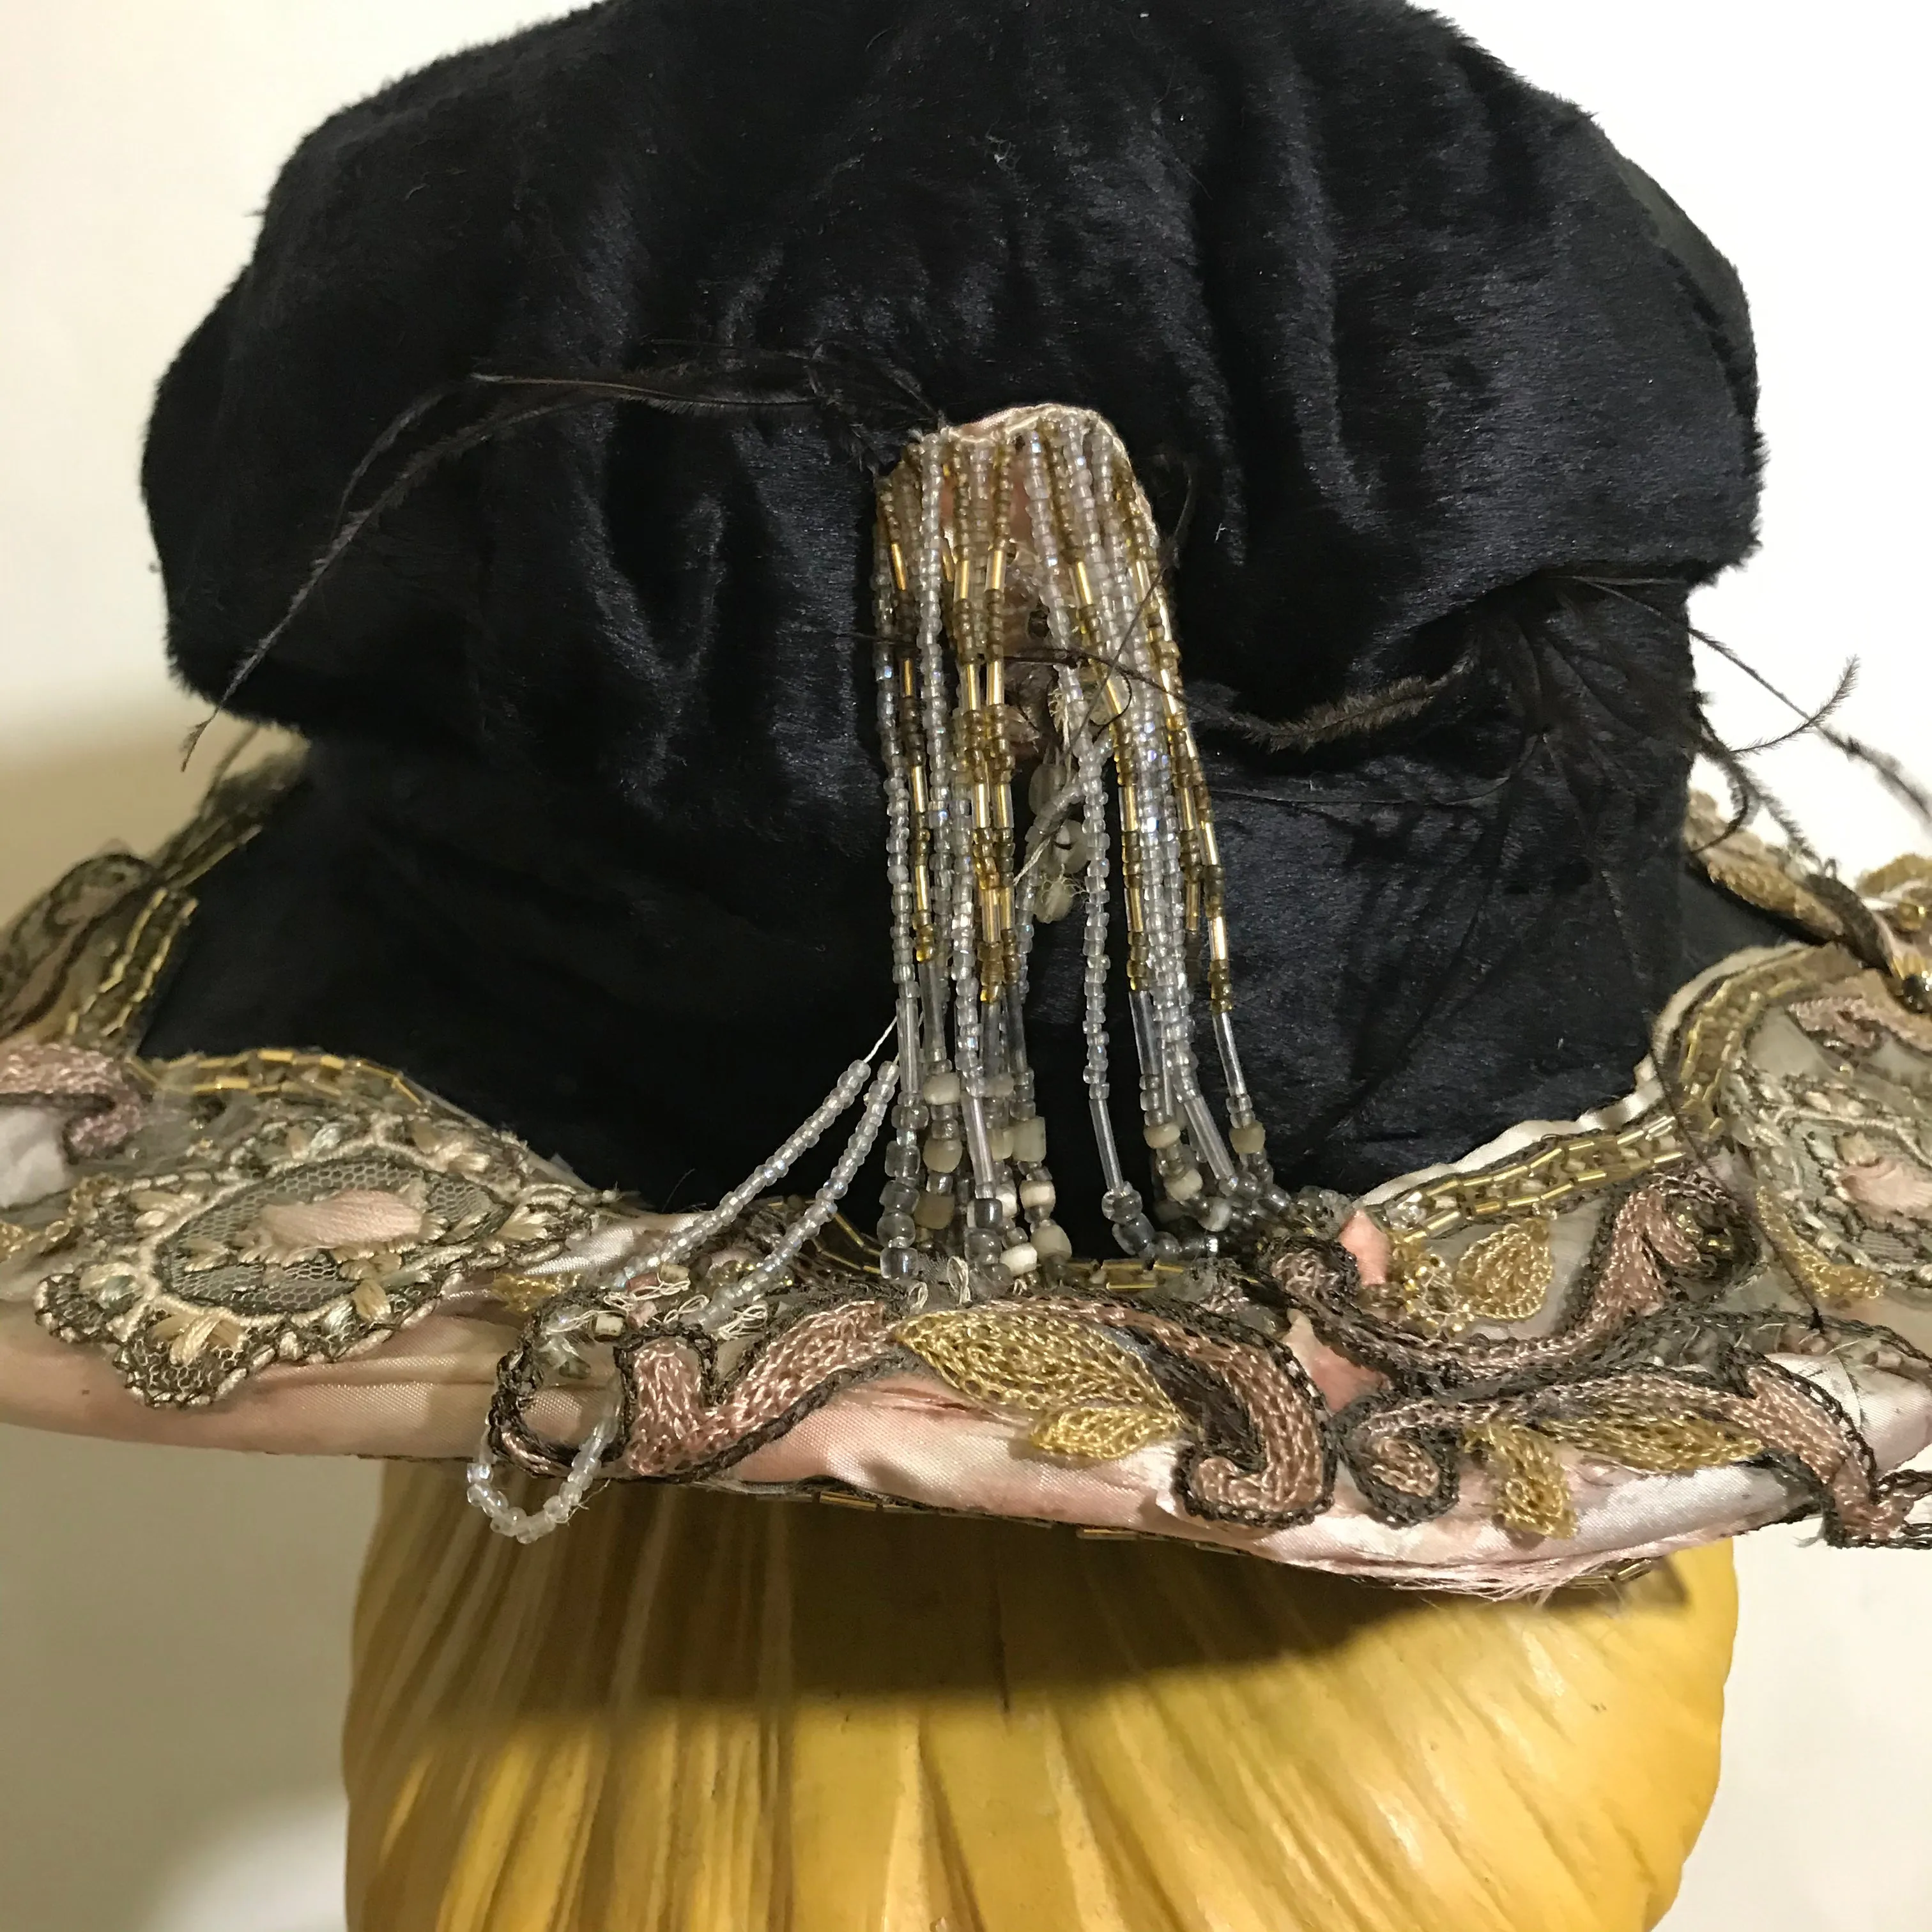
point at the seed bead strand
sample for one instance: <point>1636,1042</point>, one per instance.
<point>897,1230</point>
<point>965,1118</point>
<point>1114,705</point>
<point>825,1203</point>
<point>1206,884</point>
<point>1164,754</point>
<point>941,1091</point>
<point>523,1526</point>
<point>706,1228</point>
<point>976,942</point>
<point>1090,748</point>
<point>909,1161</point>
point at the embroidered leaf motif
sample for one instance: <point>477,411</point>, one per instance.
<point>1101,1435</point>
<point>522,1224</point>
<point>371,1299</point>
<point>1836,1284</point>
<point>1533,1488</point>
<point>1658,1443</point>
<point>1909,870</point>
<point>1086,1397</point>
<point>1505,1277</point>
<point>189,1336</point>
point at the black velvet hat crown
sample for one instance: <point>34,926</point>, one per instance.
<point>1447,406</point>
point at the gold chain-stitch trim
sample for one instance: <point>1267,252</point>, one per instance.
<point>1533,1494</point>
<point>1761,875</point>
<point>1659,1443</point>
<point>1836,1284</point>
<point>106,997</point>
<point>1505,1276</point>
<point>1087,1397</point>
<point>1909,868</point>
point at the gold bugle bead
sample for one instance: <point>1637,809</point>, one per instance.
<point>1217,940</point>
<point>1136,919</point>
<point>899,567</point>
<point>1083,583</point>
<point>996,568</point>
<point>996,678</point>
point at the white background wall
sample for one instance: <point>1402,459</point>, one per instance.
<point>171,1627</point>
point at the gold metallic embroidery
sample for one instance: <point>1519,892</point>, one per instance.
<point>1759,875</point>
<point>1086,1397</point>
<point>1655,1441</point>
<point>1503,1276</point>
<point>81,964</point>
<point>284,1206</point>
<point>1533,1489</point>
<point>1909,868</point>
<point>1836,1284</point>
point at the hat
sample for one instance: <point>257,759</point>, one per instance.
<point>1139,564</point>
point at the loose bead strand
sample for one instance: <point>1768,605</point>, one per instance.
<point>523,1526</point>
<point>706,1227</point>
<point>825,1203</point>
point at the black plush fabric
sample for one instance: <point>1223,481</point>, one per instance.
<point>591,840</point>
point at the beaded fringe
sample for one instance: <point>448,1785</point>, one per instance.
<point>1033,522</point>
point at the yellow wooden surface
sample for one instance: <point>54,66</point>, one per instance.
<point>691,1713</point>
